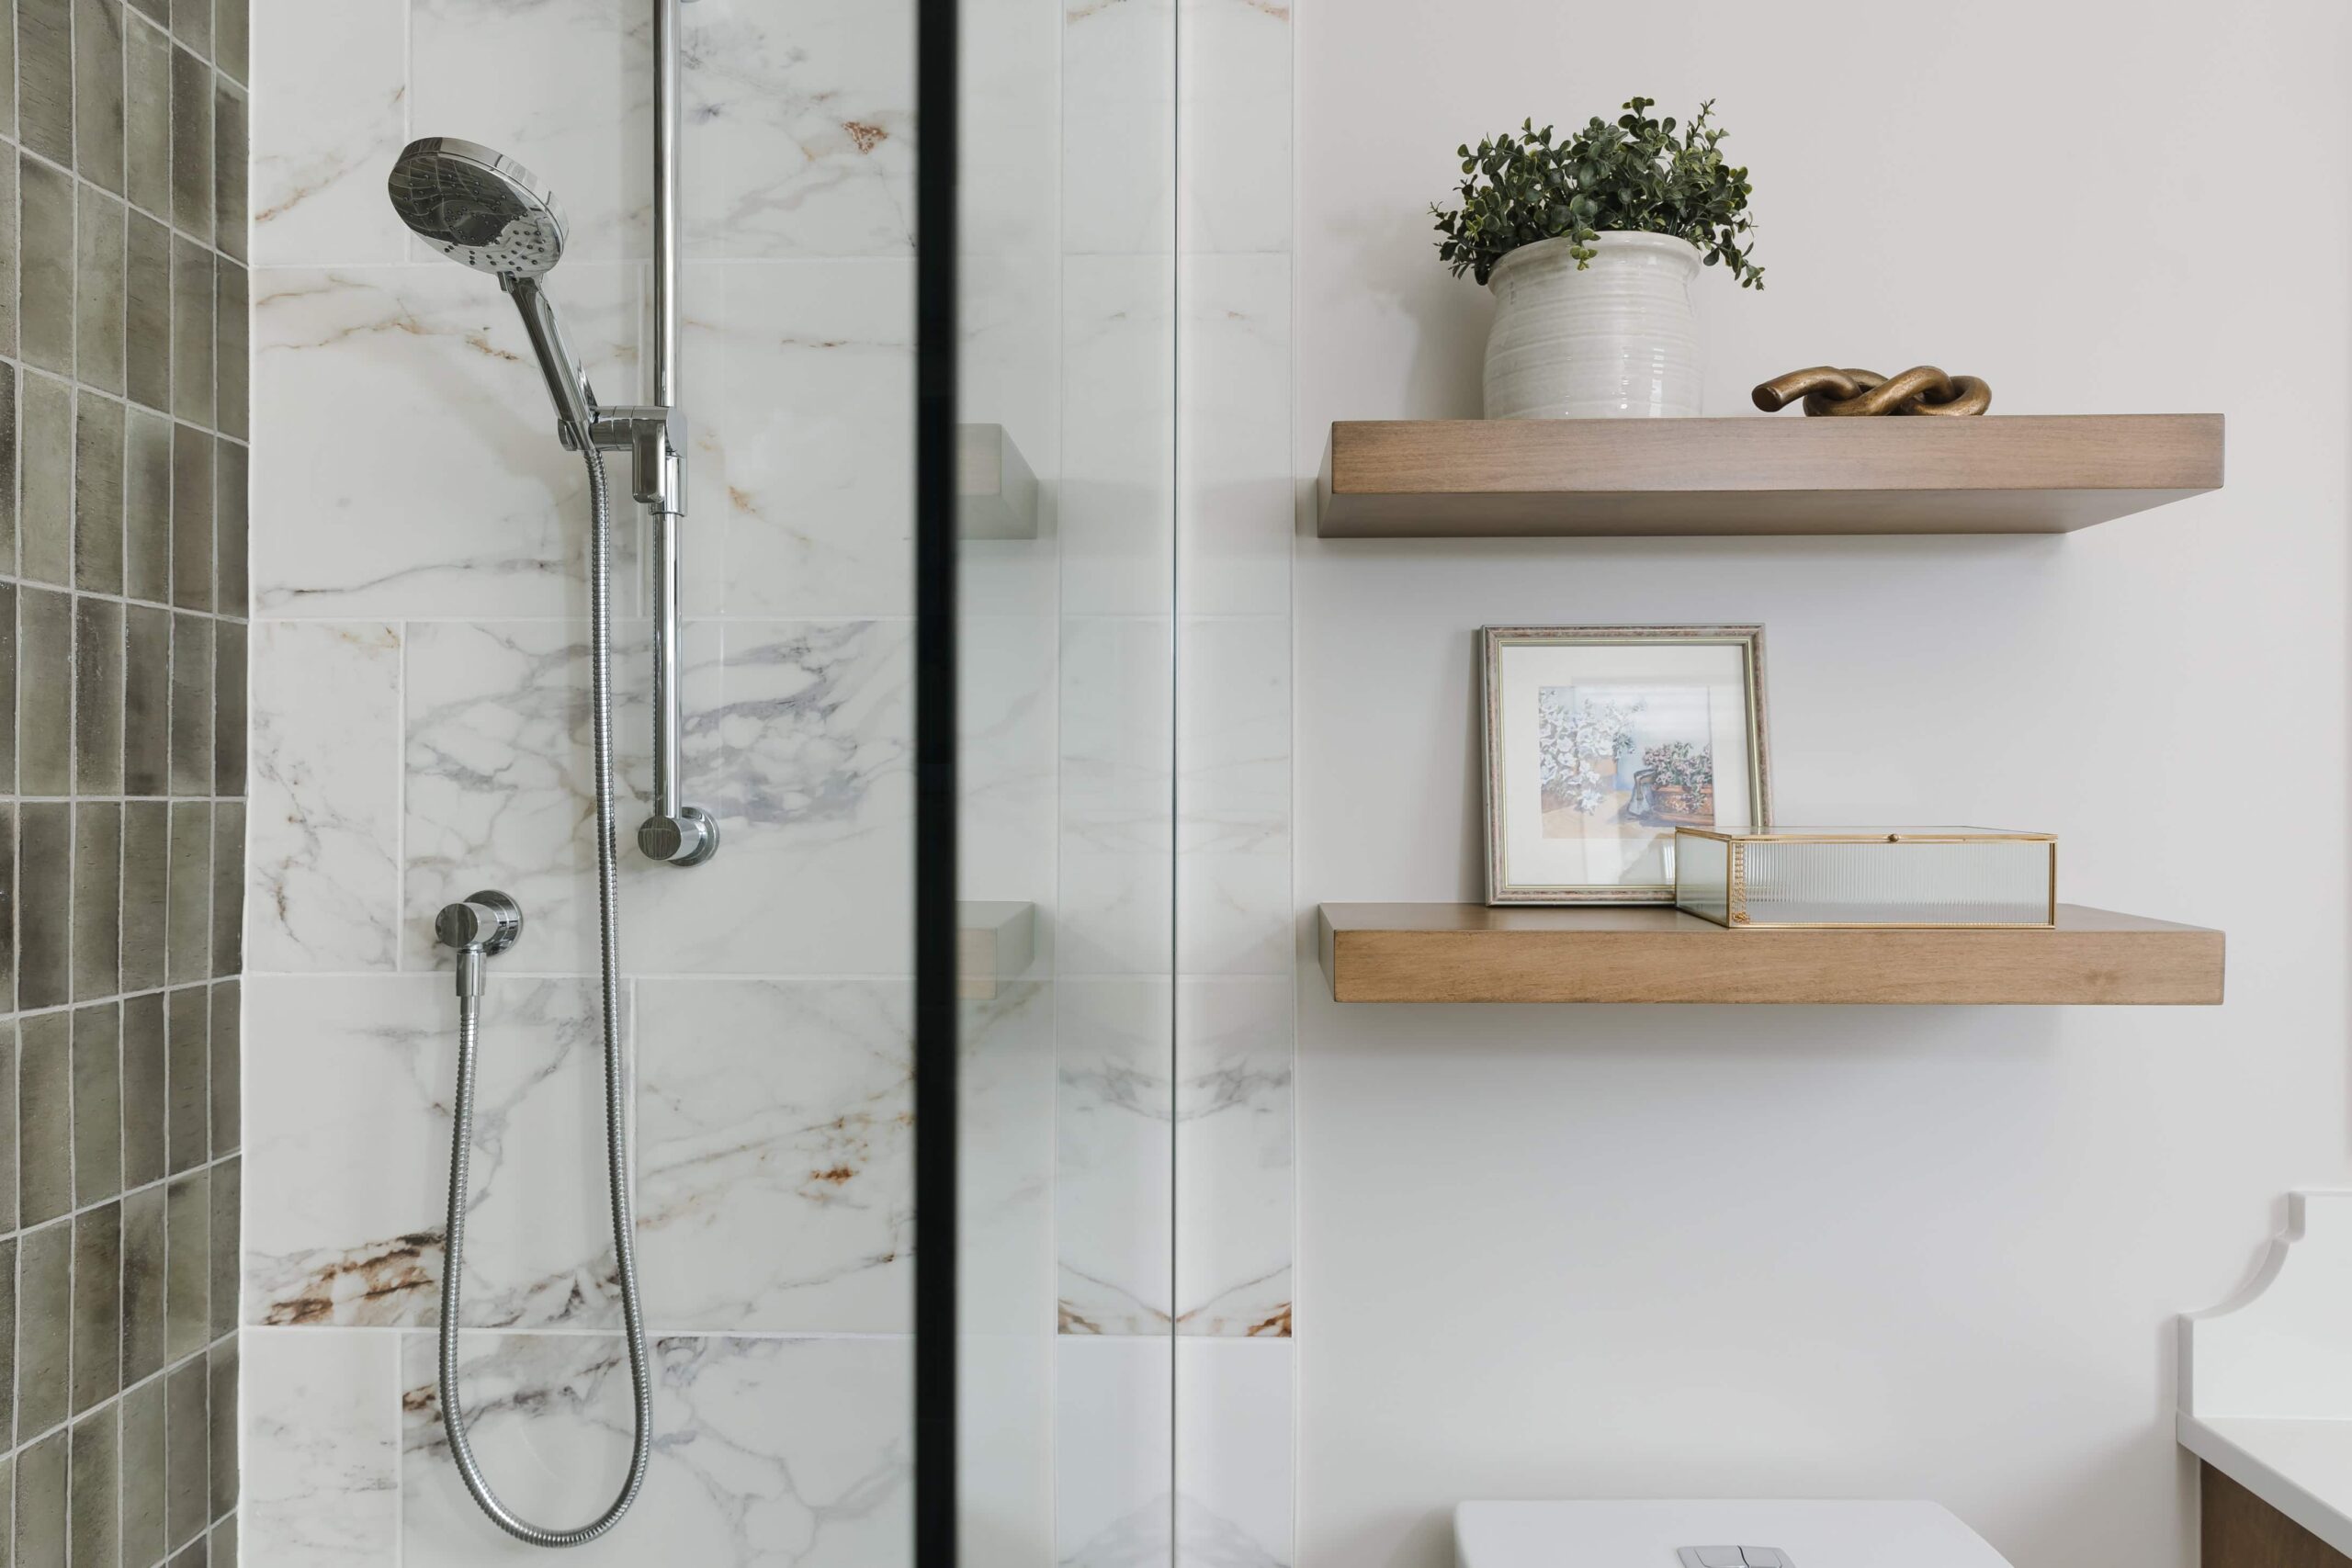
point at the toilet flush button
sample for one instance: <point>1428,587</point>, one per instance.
<point>1711,1556</point>
<point>1733,1557</point>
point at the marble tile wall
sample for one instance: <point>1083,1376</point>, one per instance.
<point>1174,1192</point>
<point>123,647</point>
<point>1235,948</point>
<point>420,728</point>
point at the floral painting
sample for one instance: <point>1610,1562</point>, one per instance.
<point>1602,742</point>
<point>1624,763</point>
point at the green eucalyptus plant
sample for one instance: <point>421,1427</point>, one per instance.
<point>1638,173</point>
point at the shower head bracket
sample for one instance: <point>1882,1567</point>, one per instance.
<point>655,439</point>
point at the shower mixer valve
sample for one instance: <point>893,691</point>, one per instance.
<point>478,928</point>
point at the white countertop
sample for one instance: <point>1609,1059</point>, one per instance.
<point>2266,1378</point>
<point>2302,1468</point>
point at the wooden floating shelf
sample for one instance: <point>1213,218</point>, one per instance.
<point>1469,952</point>
<point>1999,474</point>
<point>996,492</point>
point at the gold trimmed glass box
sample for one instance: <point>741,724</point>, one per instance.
<point>1940,877</point>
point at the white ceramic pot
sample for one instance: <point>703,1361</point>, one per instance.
<point>1618,340</point>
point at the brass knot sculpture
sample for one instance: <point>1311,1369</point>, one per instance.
<point>1923,389</point>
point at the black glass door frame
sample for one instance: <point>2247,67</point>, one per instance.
<point>936,1014</point>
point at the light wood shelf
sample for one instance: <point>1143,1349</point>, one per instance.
<point>1469,952</point>
<point>996,492</point>
<point>2000,474</point>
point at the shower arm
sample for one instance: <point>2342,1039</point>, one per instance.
<point>655,437</point>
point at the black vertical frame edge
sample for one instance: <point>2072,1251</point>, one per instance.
<point>935,1042</point>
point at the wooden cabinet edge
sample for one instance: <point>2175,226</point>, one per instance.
<point>2238,1530</point>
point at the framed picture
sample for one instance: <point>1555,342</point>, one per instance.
<point>1602,740</point>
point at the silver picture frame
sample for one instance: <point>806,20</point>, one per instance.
<point>1568,708</point>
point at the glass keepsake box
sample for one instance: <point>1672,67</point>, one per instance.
<point>1867,877</point>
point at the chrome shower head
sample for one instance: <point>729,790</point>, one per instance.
<point>487,210</point>
<point>478,206</point>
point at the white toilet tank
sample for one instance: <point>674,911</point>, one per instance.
<point>1711,1534</point>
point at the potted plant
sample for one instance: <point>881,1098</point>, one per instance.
<point>1591,245</point>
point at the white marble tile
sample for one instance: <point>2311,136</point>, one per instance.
<point>777,1147</point>
<point>330,113</point>
<point>1117,502</point>
<point>1008,1089</point>
<point>1006,765</point>
<point>775,1151</point>
<point>1237,501</point>
<point>800,380</point>
<point>1008,148</point>
<point>1009,311</point>
<point>1118,747</point>
<point>1235,1417</point>
<point>501,786</point>
<point>1004,1450</point>
<point>323,837</point>
<point>1119,61</point>
<point>320,1455</point>
<point>796,138</point>
<point>799,129</point>
<point>349,1087</point>
<point>797,738</point>
<point>1232,164</point>
<point>410,465</point>
<point>1113,1452</point>
<point>1234,1164</point>
<point>1113,1154</point>
<point>564,87</point>
<point>1233,797</point>
<point>769,1453</point>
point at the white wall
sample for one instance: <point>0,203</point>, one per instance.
<point>1648,1251</point>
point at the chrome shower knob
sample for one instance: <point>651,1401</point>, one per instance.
<point>488,922</point>
<point>688,839</point>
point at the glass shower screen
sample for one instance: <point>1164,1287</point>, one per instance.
<point>1047,438</point>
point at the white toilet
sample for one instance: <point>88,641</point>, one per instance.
<point>1716,1534</point>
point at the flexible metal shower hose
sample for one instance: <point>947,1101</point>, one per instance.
<point>453,1420</point>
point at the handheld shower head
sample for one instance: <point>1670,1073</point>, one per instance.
<point>478,206</point>
<point>489,212</point>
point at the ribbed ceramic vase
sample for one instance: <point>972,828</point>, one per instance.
<point>1618,340</point>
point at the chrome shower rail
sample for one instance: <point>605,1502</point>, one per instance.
<point>682,835</point>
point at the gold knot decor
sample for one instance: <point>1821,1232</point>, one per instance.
<point>1923,389</point>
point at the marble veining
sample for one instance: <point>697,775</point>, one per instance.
<point>790,1453</point>
<point>1114,1128</point>
<point>349,522</point>
<point>781,1109</point>
<point>323,829</point>
<point>803,496</point>
<point>799,131</point>
<point>579,119</point>
<point>322,1456</point>
<point>349,1126</point>
<point>500,778</point>
<point>798,739</point>
<point>330,115</point>
<point>1233,1156</point>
